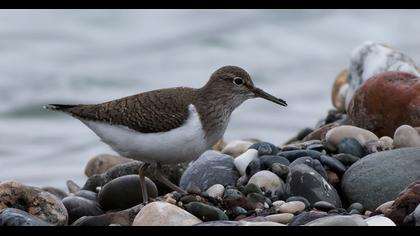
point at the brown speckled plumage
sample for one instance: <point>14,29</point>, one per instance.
<point>149,112</point>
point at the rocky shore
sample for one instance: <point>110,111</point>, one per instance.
<point>358,166</point>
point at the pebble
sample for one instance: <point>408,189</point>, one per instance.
<point>372,108</point>
<point>268,160</point>
<point>405,203</point>
<point>406,136</point>
<point>124,218</point>
<point>305,217</point>
<point>346,159</point>
<point>413,218</point>
<point>253,167</point>
<point>233,198</point>
<point>241,162</point>
<point>205,212</point>
<point>266,180</point>
<point>79,206</point>
<point>384,207</point>
<point>356,206</point>
<point>335,135</point>
<point>35,201</point>
<point>321,132</point>
<point>255,201</point>
<point>372,58</point>
<point>333,164</point>
<point>295,154</point>
<point>306,182</point>
<point>278,203</point>
<point>56,192</point>
<point>210,168</point>
<point>251,188</point>
<point>86,194</point>
<point>379,221</point>
<point>124,192</point>
<point>265,148</point>
<point>236,148</point>
<point>313,163</point>
<point>333,179</point>
<point>300,199</point>
<point>292,207</point>
<point>283,218</point>
<point>339,91</point>
<point>385,143</point>
<point>103,162</point>
<point>164,214</point>
<point>280,170</point>
<point>338,220</point>
<point>16,217</point>
<point>238,211</point>
<point>323,206</point>
<point>216,191</point>
<point>351,146</point>
<point>363,179</point>
<point>72,186</point>
<point>238,223</point>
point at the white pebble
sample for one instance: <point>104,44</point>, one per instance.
<point>242,161</point>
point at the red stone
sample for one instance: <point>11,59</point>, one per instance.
<point>385,102</point>
<point>405,203</point>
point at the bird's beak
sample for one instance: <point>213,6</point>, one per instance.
<point>260,93</point>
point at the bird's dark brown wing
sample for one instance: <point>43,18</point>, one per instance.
<point>149,112</point>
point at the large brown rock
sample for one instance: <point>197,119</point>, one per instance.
<point>385,102</point>
<point>35,201</point>
<point>405,203</point>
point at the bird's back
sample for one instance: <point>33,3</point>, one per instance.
<point>148,112</point>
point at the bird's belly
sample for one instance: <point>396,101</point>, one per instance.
<point>181,144</point>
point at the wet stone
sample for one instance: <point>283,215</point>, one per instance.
<point>351,146</point>
<point>306,217</point>
<point>205,212</point>
<point>313,163</point>
<point>268,160</point>
<point>79,206</point>
<point>280,170</point>
<point>265,148</point>
<point>124,192</point>
<point>346,159</point>
<point>323,206</point>
<point>16,217</point>
<point>293,155</point>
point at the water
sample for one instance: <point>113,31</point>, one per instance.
<point>90,56</point>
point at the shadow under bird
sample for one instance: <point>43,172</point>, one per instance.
<point>170,125</point>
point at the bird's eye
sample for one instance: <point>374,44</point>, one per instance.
<point>238,81</point>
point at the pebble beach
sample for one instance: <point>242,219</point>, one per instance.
<point>358,165</point>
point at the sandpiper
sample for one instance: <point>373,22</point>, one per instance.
<point>170,125</point>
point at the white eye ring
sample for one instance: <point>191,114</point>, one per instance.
<point>238,81</point>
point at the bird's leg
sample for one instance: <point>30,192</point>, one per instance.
<point>166,181</point>
<point>143,182</point>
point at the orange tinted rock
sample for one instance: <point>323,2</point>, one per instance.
<point>385,102</point>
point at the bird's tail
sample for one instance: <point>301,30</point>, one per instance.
<point>58,107</point>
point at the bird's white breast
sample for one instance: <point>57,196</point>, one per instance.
<point>181,144</point>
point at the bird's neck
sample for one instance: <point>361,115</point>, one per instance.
<point>214,107</point>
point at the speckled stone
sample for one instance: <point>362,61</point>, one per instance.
<point>33,200</point>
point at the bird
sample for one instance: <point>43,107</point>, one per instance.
<point>170,125</point>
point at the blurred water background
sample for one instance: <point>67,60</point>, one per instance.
<point>92,56</point>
